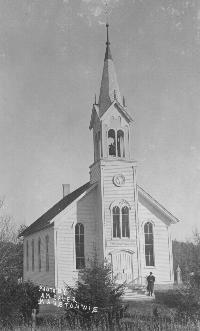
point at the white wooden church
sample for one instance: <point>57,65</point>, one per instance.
<point>110,215</point>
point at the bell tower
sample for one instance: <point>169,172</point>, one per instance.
<point>110,121</point>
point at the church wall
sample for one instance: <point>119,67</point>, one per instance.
<point>99,223</point>
<point>64,247</point>
<point>40,277</point>
<point>87,216</point>
<point>82,211</point>
<point>163,269</point>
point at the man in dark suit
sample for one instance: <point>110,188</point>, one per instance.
<point>150,285</point>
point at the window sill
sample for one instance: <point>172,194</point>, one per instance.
<point>119,239</point>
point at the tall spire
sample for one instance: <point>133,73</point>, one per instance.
<point>109,90</point>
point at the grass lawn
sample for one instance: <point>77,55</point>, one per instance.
<point>140,307</point>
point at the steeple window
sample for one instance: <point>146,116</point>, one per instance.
<point>149,244</point>
<point>116,149</point>
<point>120,143</point>
<point>111,142</point>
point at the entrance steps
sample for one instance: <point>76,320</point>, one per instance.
<point>137,293</point>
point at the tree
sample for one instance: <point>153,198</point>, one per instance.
<point>98,288</point>
<point>11,247</point>
<point>187,255</point>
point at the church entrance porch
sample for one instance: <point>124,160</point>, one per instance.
<point>122,265</point>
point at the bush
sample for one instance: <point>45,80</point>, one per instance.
<point>170,298</point>
<point>17,300</point>
<point>185,300</point>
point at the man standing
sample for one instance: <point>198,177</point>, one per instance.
<point>150,285</point>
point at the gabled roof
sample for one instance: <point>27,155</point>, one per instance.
<point>95,113</point>
<point>44,221</point>
<point>157,205</point>
<point>122,109</point>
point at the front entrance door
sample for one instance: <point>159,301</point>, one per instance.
<point>122,264</point>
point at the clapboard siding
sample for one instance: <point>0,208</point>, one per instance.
<point>40,277</point>
<point>83,211</point>
<point>163,269</point>
<point>112,193</point>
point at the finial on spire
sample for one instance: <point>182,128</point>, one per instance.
<point>107,41</point>
<point>95,99</point>
<point>108,52</point>
<point>115,95</point>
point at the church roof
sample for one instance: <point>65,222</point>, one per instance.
<point>109,90</point>
<point>157,205</point>
<point>44,221</point>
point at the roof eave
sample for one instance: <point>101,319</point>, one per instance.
<point>37,227</point>
<point>171,217</point>
<point>26,232</point>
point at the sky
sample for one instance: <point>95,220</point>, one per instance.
<point>51,61</point>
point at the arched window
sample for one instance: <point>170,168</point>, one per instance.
<point>47,252</point>
<point>120,143</point>
<point>39,254</point>
<point>79,244</point>
<point>27,256</point>
<point>32,244</point>
<point>149,249</point>
<point>125,222</point>
<point>116,222</point>
<point>111,143</point>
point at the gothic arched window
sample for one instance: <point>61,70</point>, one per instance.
<point>111,143</point>
<point>47,253</point>
<point>27,256</point>
<point>149,244</point>
<point>125,222</point>
<point>116,222</point>
<point>120,143</point>
<point>120,222</point>
<point>79,244</point>
<point>39,254</point>
<point>32,244</point>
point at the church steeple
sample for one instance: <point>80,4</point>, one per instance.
<point>110,120</point>
<point>109,90</point>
